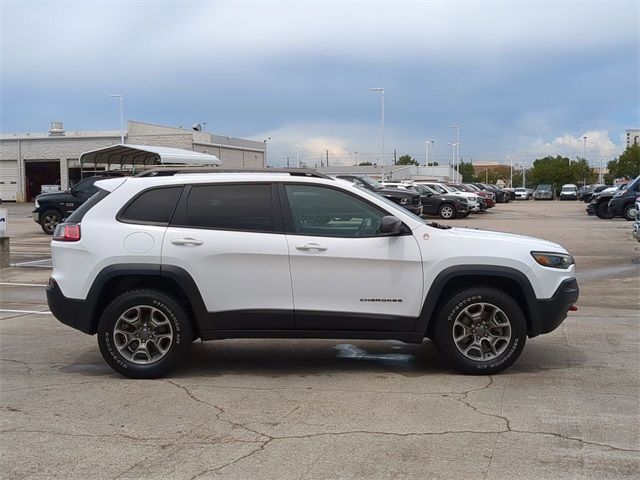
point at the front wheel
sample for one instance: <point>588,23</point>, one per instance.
<point>447,211</point>
<point>144,333</point>
<point>629,212</point>
<point>49,221</point>
<point>480,331</point>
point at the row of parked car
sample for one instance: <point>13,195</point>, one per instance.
<point>445,200</point>
<point>613,201</point>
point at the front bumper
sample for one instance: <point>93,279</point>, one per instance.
<point>36,216</point>
<point>552,311</point>
<point>636,230</point>
<point>591,209</point>
<point>68,310</point>
<point>568,197</point>
<point>415,209</point>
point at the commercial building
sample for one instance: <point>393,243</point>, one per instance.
<point>633,136</point>
<point>30,160</point>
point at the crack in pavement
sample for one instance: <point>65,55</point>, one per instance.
<point>272,438</point>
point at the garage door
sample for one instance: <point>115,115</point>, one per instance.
<point>231,158</point>
<point>8,179</point>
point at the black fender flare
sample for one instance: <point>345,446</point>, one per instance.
<point>530,308</point>
<point>178,275</point>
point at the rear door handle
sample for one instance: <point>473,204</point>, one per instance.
<point>311,246</point>
<point>187,242</point>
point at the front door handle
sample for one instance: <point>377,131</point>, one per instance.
<point>188,242</point>
<point>311,246</point>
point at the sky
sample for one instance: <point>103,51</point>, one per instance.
<point>521,79</point>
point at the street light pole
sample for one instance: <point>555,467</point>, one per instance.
<point>297,156</point>
<point>266,163</point>
<point>381,91</point>
<point>453,157</point>
<point>457,157</point>
<point>584,155</point>
<point>119,96</point>
<point>429,143</point>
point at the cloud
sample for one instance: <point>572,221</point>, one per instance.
<point>599,146</point>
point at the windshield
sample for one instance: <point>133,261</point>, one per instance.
<point>437,188</point>
<point>568,189</point>
<point>520,189</point>
<point>472,187</point>
<point>543,188</point>
<point>371,183</point>
<point>453,188</point>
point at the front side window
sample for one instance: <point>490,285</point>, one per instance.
<point>321,211</point>
<point>231,207</point>
<point>86,186</point>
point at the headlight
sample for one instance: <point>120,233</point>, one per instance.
<point>620,193</point>
<point>37,204</point>
<point>404,201</point>
<point>553,260</point>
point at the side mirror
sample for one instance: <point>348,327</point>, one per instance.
<point>390,225</point>
<point>73,191</point>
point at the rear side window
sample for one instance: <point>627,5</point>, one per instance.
<point>231,207</point>
<point>152,206</point>
<point>79,213</point>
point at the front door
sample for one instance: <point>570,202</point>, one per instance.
<point>345,275</point>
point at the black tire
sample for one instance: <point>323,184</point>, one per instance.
<point>175,316</point>
<point>507,311</point>
<point>602,210</point>
<point>49,220</point>
<point>629,212</point>
<point>447,211</point>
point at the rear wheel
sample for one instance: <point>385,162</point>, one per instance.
<point>447,211</point>
<point>49,221</point>
<point>629,212</point>
<point>602,210</point>
<point>480,331</point>
<point>144,333</point>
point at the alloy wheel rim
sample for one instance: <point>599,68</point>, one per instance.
<point>481,332</point>
<point>447,212</point>
<point>143,334</point>
<point>50,222</point>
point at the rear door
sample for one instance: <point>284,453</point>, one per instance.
<point>345,275</point>
<point>230,239</point>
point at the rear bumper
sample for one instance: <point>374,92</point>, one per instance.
<point>67,310</point>
<point>552,311</point>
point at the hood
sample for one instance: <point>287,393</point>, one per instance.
<point>531,242</point>
<point>54,196</point>
<point>396,192</point>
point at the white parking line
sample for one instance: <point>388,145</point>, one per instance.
<point>22,284</point>
<point>45,312</point>
<point>31,261</point>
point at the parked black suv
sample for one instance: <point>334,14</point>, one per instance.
<point>623,202</point>
<point>409,199</point>
<point>52,208</point>
<point>501,195</point>
<point>444,205</point>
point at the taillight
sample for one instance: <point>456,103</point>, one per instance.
<point>67,232</point>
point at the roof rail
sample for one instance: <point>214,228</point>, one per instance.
<point>173,170</point>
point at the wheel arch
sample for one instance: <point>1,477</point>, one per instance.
<point>116,279</point>
<point>456,278</point>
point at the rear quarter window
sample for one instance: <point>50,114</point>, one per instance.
<point>154,206</point>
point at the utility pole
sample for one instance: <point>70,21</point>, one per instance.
<point>298,156</point>
<point>287,162</point>
<point>395,157</point>
<point>356,158</point>
<point>327,157</point>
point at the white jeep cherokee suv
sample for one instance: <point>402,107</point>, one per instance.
<point>152,263</point>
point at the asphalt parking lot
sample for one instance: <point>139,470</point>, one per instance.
<point>569,408</point>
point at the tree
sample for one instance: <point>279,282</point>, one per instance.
<point>557,171</point>
<point>626,165</point>
<point>467,172</point>
<point>365,164</point>
<point>407,160</point>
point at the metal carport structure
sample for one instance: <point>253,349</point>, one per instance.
<point>144,156</point>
